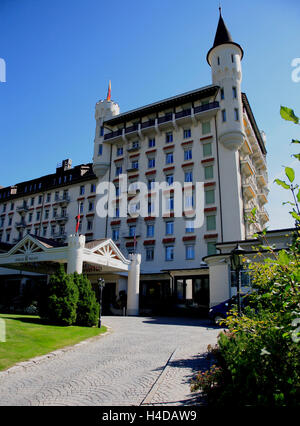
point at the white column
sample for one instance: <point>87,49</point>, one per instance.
<point>76,245</point>
<point>133,286</point>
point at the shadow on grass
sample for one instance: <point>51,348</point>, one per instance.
<point>32,320</point>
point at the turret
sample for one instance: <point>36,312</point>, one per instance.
<point>225,60</point>
<point>104,110</point>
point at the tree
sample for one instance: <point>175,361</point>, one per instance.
<point>87,306</point>
<point>62,298</point>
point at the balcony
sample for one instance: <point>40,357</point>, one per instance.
<point>134,148</point>
<point>249,188</point>
<point>62,200</point>
<point>166,121</point>
<point>23,208</point>
<point>61,218</point>
<point>262,178</point>
<point>259,160</point>
<point>61,236</point>
<point>148,126</point>
<point>263,215</point>
<point>207,110</point>
<point>183,116</point>
<point>117,135</point>
<point>21,225</point>
<point>246,166</point>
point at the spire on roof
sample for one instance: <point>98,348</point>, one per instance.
<point>223,35</point>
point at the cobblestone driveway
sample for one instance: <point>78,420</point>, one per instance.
<point>142,361</point>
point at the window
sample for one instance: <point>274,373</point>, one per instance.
<point>206,128</point>
<point>188,176</point>
<point>115,234</point>
<point>30,217</point>
<point>100,149</point>
<point>232,58</point>
<point>12,206</point>
<point>151,143</point>
<point>135,144</point>
<point>2,219</point>
<point>101,133</point>
<point>59,180</point>
<point>222,93</point>
<point>223,115</point>
<point>9,221</point>
<point>169,250</point>
<point>149,254</point>
<point>65,194</point>
<point>210,196</point>
<point>54,212</point>
<point>117,191</point>
<point>40,199</point>
<point>170,179</point>
<point>236,114</point>
<point>81,190</point>
<point>56,196</point>
<point>169,137</point>
<point>211,248</point>
<point>89,225</point>
<point>118,170</point>
<point>93,187</point>
<point>134,164</point>
<point>7,237</point>
<point>187,133</point>
<point>91,206</point>
<point>119,151</point>
<point>151,163</point>
<point>150,207</point>
<point>44,231</point>
<point>170,203</point>
<point>32,201</point>
<point>4,208</point>
<point>207,149</point>
<point>209,172</point>
<point>36,231</point>
<point>117,211</point>
<point>187,154</point>
<point>132,231</point>
<point>189,226</point>
<point>53,228</point>
<point>218,60</point>
<point>48,198</point>
<point>81,207</point>
<point>234,93</point>
<point>189,201</point>
<point>65,178</point>
<point>150,230</point>
<point>38,215</point>
<point>169,158</point>
<point>46,215</point>
<point>169,228</point>
<point>190,252</point>
<point>210,223</point>
<point>151,183</point>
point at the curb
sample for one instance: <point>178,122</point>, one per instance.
<point>58,352</point>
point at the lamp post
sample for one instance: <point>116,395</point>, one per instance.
<point>101,284</point>
<point>236,265</point>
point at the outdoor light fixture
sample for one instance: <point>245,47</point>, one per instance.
<point>101,284</point>
<point>236,265</point>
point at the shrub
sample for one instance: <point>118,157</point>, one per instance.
<point>87,306</point>
<point>62,298</point>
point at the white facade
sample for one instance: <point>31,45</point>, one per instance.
<point>208,135</point>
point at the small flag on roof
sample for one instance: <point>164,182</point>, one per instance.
<point>109,91</point>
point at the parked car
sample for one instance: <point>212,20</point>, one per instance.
<point>219,312</point>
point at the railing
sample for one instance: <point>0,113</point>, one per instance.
<point>165,118</point>
<point>113,134</point>
<point>63,199</point>
<point>132,128</point>
<point>183,113</point>
<point>148,123</point>
<point>206,107</point>
<point>21,224</point>
<point>61,218</point>
<point>24,206</point>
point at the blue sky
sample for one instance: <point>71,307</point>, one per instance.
<point>60,55</point>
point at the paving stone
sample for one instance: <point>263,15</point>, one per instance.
<point>140,361</point>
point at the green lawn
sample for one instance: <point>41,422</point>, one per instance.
<point>27,336</point>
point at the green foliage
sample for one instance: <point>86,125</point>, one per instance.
<point>257,361</point>
<point>87,306</point>
<point>62,298</point>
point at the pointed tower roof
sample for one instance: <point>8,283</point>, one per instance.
<point>223,36</point>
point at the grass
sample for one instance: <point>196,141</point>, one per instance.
<point>27,336</point>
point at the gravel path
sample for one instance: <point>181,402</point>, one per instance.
<point>141,361</point>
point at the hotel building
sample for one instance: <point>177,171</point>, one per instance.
<point>207,135</point>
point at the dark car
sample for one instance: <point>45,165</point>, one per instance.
<point>219,312</point>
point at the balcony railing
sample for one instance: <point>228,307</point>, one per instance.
<point>23,207</point>
<point>63,199</point>
<point>21,224</point>
<point>61,218</point>
<point>164,119</point>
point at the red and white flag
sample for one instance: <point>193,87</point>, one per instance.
<point>108,98</point>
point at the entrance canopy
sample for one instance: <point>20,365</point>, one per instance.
<point>43,255</point>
